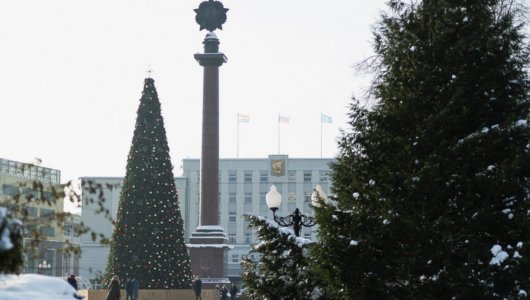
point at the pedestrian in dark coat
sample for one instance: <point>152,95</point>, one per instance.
<point>71,280</point>
<point>224,293</point>
<point>114,289</point>
<point>233,292</point>
<point>197,287</point>
<point>135,288</point>
<point>129,290</point>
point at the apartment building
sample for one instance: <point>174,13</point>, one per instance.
<point>32,194</point>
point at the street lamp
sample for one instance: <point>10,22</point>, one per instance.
<point>44,266</point>
<point>297,219</point>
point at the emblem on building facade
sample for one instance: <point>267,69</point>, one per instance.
<point>278,167</point>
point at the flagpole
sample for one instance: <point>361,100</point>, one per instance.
<point>320,135</point>
<point>278,133</point>
<point>237,135</point>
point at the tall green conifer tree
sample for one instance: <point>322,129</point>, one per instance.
<point>432,182</point>
<point>148,238</point>
<point>282,269</point>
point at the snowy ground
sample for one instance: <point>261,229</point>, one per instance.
<point>34,286</point>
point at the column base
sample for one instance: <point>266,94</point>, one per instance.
<point>208,248</point>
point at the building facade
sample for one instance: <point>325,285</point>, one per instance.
<point>33,194</point>
<point>243,184</point>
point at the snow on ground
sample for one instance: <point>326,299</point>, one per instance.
<point>34,286</point>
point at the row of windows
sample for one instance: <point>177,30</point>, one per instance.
<point>46,214</point>
<point>264,176</point>
<point>236,257</point>
<point>247,198</point>
<point>13,190</point>
<point>70,229</point>
<point>29,171</point>
<point>47,231</point>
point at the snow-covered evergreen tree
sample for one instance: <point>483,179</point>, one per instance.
<point>281,270</point>
<point>11,243</point>
<point>148,238</point>
<point>432,181</point>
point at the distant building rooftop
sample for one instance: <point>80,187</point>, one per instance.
<point>29,171</point>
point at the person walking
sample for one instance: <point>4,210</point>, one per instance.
<point>233,291</point>
<point>197,287</point>
<point>224,293</point>
<point>72,281</point>
<point>135,288</point>
<point>129,289</point>
<point>114,289</point>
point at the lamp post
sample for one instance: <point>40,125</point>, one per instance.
<point>44,266</point>
<point>297,219</point>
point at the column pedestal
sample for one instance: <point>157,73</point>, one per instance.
<point>209,252</point>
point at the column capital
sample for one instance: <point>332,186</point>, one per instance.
<point>210,59</point>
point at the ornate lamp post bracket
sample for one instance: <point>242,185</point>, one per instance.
<point>297,219</point>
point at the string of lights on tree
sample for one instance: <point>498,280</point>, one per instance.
<point>148,238</point>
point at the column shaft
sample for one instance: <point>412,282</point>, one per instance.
<point>209,210</point>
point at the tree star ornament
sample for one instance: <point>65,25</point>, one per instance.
<point>211,15</point>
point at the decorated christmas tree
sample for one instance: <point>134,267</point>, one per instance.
<point>432,181</point>
<point>148,238</point>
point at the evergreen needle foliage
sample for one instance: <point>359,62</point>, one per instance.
<point>11,244</point>
<point>148,238</point>
<point>432,182</point>
<point>282,269</point>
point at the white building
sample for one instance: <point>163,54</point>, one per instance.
<point>243,184</point>
<point>32,193</point>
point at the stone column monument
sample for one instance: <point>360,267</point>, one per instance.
<point>209,244</point>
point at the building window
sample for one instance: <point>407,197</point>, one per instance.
<point>307,236</point>
<point>30,193</point>
<point>50,258</point>
<point>30,262</point>
<point>232,176</point>
<point>248,198</point>
<point>291,206</point>
<point>235,258</point>
<point>232,216</point>
<point>263,176</point>
<point>291,197</point>
<point>29,229</point>
<point>47,196</point>
<point>323,176</point>
<point>307,197</point>
<point>67,229</point>
<point>32,211</point>
<point>232,198</point>
<point>248,237</point>
<point>76,228</point>
<point>248,176</point>
<point>232,238</point>
<point>47,213</point>
<point>247,208</point>
<point>307,176</point>
<point>292,175</point>
<point>47,231</point>
<point>9,190</point>
<point>262,197</point>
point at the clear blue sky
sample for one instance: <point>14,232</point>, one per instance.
<point>72,75</point>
